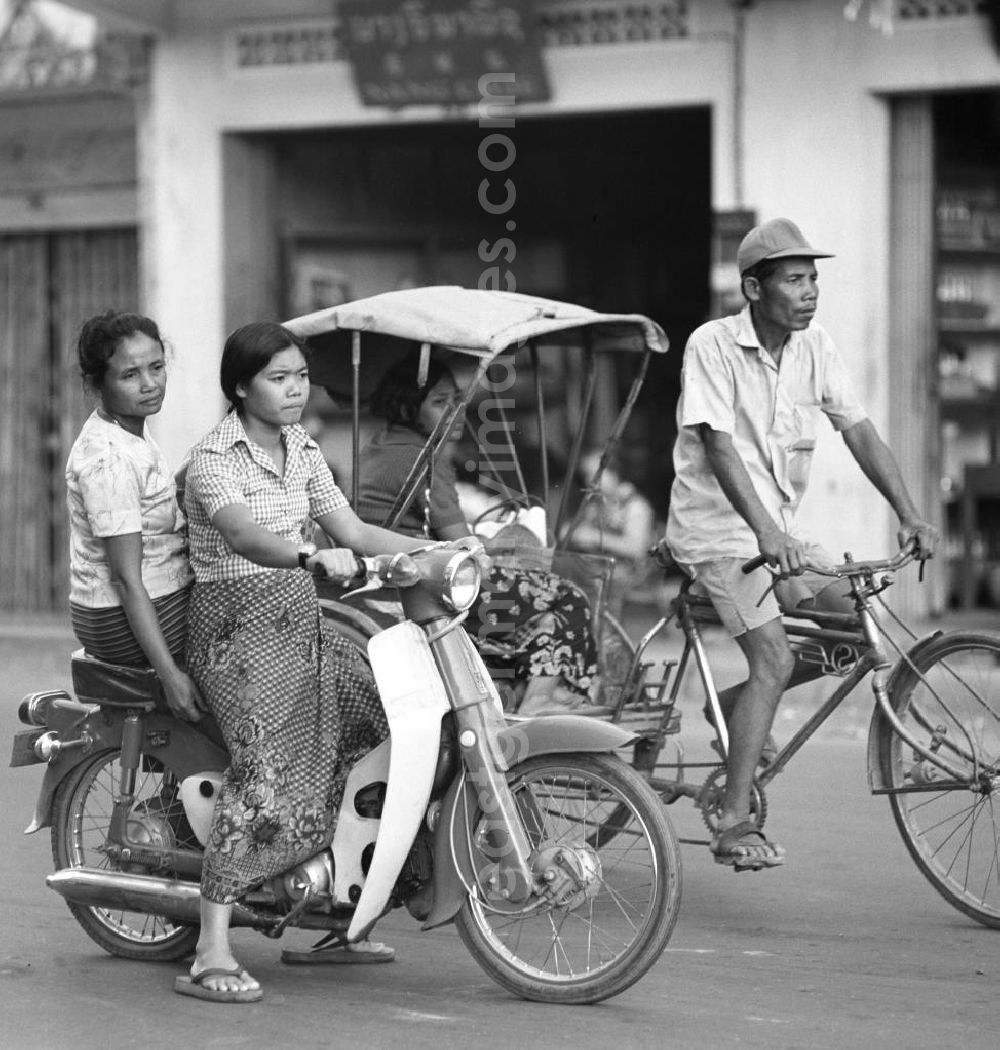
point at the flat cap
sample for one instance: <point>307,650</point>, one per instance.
<point>775,239</point>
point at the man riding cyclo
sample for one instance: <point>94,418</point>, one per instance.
<point>753,385</point>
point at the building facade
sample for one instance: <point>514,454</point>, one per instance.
<point>268,183</point>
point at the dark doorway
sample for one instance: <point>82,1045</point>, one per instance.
<point>611,210</point>
<point>50,284</point>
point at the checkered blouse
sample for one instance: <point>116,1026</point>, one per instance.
<point>226,467</point>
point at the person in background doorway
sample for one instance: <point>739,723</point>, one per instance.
<point>753,386</point>
<point>129,574</point>
<point>616,520</point>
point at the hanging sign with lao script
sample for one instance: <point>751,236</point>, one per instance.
<point>442,52</point>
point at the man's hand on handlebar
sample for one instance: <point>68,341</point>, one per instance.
<point>783,552</point>
<point>918,537</point>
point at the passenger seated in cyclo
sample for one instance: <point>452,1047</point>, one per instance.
<point>752,387</point>
<point>543,618</point>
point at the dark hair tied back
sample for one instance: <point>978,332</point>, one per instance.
<point>249,350</point>
<point>100,337</point>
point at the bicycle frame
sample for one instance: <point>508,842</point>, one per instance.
<point>933,740</point>
<point>848,645</point>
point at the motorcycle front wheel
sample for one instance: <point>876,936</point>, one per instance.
<point>599,940</point>
<point>81,818</point>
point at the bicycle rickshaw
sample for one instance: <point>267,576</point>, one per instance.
<point>934,736</point>
<point>500,342</point>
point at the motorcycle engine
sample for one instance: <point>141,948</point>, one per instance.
<point>313,879</point>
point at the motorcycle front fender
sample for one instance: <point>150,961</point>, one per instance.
<point>453,866</point>
<point>179,746</point>
<point>415,701</point>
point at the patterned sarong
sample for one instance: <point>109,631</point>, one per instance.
<point>546,617</point>
<point>297,706</point>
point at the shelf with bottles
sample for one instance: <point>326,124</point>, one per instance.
<point>968,215</point>
<point>968,373</point>
<point>968,299</point>
<point>968,256</point>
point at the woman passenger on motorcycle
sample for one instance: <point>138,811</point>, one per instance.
<point>546,616</point>
<point>295,701</point>
<point>129,573</point>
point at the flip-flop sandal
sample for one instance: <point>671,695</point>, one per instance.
<point>341,954</point>
<point>195,987</point>
<point>731,845</point>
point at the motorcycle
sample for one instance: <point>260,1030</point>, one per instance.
<point>462,815</point>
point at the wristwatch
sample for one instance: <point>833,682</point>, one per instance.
<point>306,551</point>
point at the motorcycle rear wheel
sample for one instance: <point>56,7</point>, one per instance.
<point>599,945</point>
<point>80,821</point>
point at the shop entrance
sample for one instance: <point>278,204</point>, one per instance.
<point>613,211</point>
<point>967,209</point>
<point>50,283</point>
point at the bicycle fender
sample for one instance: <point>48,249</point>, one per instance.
<point>558,734</point>
<point>876,782</point>
<point>453,867</point>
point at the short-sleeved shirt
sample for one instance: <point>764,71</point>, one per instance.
<point>385,463</point>
<point>227,468</point>
<point>732,384</point>
<point>118,484</point>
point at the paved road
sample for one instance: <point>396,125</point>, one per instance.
<point>846,946</point>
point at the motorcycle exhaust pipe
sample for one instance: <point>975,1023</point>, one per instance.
<point>177,901</point>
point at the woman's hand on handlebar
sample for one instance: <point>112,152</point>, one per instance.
<point>335,563</point>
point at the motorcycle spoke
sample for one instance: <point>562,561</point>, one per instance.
<point>566,812</point>
<point>85,835</point>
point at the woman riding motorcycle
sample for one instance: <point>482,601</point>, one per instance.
<point>296,703</point>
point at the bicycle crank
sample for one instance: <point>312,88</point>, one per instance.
<point>712,794</point>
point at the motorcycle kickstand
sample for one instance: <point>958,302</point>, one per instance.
<point>277,930</point>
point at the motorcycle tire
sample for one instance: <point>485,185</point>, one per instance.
<point>613,922</point>
<point>80,820</point>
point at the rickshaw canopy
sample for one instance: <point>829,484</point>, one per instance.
<point>470,321</point>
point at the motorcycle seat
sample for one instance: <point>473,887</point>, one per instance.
<point>115,685</point>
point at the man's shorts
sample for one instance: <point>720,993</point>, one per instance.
<point>745,601</point>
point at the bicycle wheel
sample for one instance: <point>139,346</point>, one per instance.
<point>80,821</point>
<point>950,704</point>
<point>615,919</point>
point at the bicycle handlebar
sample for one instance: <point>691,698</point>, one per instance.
<point>846,569</point>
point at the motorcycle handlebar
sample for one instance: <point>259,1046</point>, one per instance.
<point>365,568</point>
<point>400,570</point>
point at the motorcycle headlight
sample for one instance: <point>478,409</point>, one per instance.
<point>461,581</point>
